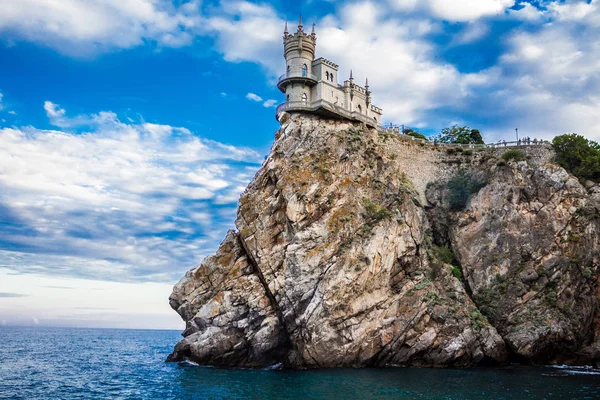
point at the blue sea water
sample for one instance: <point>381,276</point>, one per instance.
<point>62,363</point>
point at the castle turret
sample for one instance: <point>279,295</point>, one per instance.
<point>299,54</point>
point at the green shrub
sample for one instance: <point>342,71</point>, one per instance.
<point>444,254</point>
<point>374,211</point>
<point>456,272</point>
<point>514,155</point>
<point>460,188</point>
<point>578,155</point>
<point>413,133</point>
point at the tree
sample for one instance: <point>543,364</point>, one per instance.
<point>413,133</point>
<point>460,135</point>
<point>578,155</point>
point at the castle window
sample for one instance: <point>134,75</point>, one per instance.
<point>304,70</point>
<point>288,70</point>
<point>359,109</point>
<point>327,75</point>
<point>331,76</point>
<point>304,97</point>
<point>287,98</point>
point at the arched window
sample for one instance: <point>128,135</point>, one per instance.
<point>327,74</point>
<point>359,109</point>
<point>304,70</point>
<point>331,76</point>
<point>288,70</point>
<point>287,98</point>
<point>304,97</point>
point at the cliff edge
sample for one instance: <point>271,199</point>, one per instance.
<point>349,252</point>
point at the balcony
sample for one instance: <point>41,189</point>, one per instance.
<point>296,75</point>
<point>327,109</point>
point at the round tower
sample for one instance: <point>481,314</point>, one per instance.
<point>299,54</point>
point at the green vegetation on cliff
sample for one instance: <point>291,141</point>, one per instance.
<point>515,154</point>
<point>413,133</point>
<point>460,188</point>
<point>460,135</point>
<point>578,155</point>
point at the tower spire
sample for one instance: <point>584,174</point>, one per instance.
<point>313,30</point>
<point>285,32</point>
<point>300,26</point>
<point>367,84</point>
<point>351,78</point>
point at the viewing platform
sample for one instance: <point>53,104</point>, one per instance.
<point>296,76</point>
<point>326,109</point>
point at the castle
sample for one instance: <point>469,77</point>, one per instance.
<point>311,85</point>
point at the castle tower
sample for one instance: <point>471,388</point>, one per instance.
<point>311,86</point>
<point>299,54</point>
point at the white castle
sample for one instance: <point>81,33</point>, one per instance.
<point>311,85</point>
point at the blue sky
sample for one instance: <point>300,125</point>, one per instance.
<point>128,128</point>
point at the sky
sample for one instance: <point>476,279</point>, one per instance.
<point>129,128</point>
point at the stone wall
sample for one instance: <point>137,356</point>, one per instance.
<point>425,163</point>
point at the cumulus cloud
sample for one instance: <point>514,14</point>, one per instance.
<point>254,97</point>
<point>75,27</point>
<point>246,31</point>
<point>270,103</point>
<point>120,201</point>
<point>546,83</point>
<point>456,10</point>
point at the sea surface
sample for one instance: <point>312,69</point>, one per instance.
<point>65,363</point>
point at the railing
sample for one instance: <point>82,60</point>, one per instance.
<point>314,106</point>
<point>298,74</point>
<point>516,143</point>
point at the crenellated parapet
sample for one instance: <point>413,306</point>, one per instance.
<point>299,42</point>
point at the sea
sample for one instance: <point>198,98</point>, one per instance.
<point>69,363</point>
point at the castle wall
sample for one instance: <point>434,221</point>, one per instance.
<point>329,92</point>
<point>295,91</point>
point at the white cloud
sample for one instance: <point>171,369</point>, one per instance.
<point>270,103</point>
<point>573,10</point>
<point>547,82</point>
<point>53,110</point>
<point>456,10</point>
<point>248,32</point>
<point>1,105</point>
<point>468,10</point>
<point>116,201</point>
<point>528,12</point>
<point>254,97</point>
<point>76,27</point>
<point>474,31</point>
<point>12,112</point>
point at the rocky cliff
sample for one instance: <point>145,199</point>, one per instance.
<point>349,252</point>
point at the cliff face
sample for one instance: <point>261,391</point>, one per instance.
<point>336,260</point>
